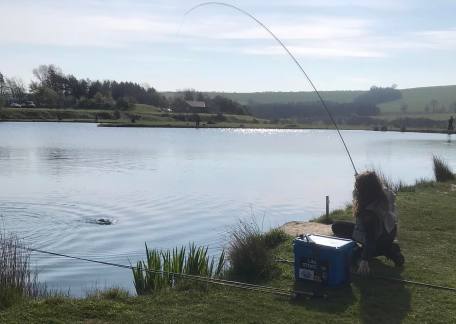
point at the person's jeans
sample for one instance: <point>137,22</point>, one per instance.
<point>383,245</point>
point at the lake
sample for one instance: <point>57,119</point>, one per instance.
<point>169,187</point>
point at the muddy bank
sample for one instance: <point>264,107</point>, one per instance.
<point>296,228</point>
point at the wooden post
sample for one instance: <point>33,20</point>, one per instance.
<point>327,207</point>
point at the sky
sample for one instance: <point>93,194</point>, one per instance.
<point>342,45</point>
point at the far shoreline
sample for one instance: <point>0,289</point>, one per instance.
<point>250,126</point>
<point>225,126</point>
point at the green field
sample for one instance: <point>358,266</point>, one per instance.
<point>144,115</point>
<point>427,237</point>
<point>415,98</point>
<point>285,97</point>
<point>149,116</point>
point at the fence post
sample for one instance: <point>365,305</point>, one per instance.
<point>327,208</point>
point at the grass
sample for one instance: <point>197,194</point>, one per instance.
<point>114,293</point>
<point>341,96</point>
<point>149,116</point>
<point>250,252</point>
<point>442,170</point>
<point>336,214</point>
<point>417,98</point>
<point>17,280</point>
<point>426,236</point>
<point>154,274</point>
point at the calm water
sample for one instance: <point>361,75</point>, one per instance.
<point>168,187</point>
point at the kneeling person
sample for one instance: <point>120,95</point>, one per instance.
<point>375,225</point>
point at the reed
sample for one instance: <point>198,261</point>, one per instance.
<point>17,280</point>
<point>162,268</point>
<point>442,170</point>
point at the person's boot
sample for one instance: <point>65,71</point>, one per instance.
<point>356,255</point>
<point>395,255</point>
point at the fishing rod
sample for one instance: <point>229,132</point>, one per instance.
<point>207,280</point>
<point>293,58</point>
<point>390,279</point>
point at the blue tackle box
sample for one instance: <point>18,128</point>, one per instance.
<point>323,259</point>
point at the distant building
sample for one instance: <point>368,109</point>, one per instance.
<point>196,106</point>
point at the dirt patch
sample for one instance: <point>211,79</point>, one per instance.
<point>296,228</point>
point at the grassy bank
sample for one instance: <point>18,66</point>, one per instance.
<point>427,237</point>
<point>149,116</point>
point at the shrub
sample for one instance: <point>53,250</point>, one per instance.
<point>116,114</point>
<point>249,255</point>
<point>275,237</point>
<point>442,170</point>
<point>125,103</point>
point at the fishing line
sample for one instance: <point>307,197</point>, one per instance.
<point>396,280</point>
<point>215,281</point>
<point>293,58</point>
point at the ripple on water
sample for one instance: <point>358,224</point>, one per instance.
<point>71,228</point>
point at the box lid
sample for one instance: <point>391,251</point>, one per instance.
<point>329,241</point>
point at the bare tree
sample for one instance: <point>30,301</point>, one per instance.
<point>16,88</point>
<point>2,85</point>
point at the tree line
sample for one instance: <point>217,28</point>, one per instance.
<point>54,89</point>
<point>51,88</point>
<point>377,95</point>
<point>364,105</point>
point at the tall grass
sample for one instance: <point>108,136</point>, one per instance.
<point>250,252</point>
<point>17,280</point>
<point>113,293</point>
<point>162,268</point>
<point>442,170</point>
<point>391,184</point>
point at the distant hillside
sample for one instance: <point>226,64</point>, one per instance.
<point>286,97</point>
<point>417,99</point>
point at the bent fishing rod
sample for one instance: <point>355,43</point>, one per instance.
<point>293,58</point>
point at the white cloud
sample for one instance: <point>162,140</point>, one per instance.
<point>59,27</point>
<point>370,4</point>
<point>437,39</point>
<point>88,25</point>
<point>314,28</point>
<point>324,52</point>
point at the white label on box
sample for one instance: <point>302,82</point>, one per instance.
<point>306,274</point>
